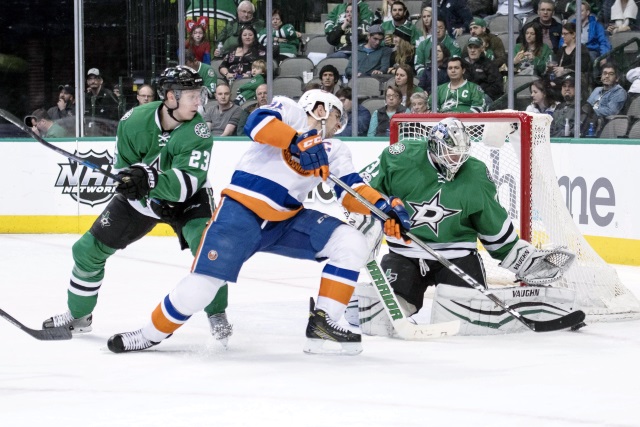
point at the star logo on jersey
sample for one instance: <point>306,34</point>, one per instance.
<point>449,104</point>
<point>431,213</point>
<point>202,130</point>
<point>163,138</point>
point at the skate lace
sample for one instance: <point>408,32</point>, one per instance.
<point>62,319</point>
<point>135,340</point>
<point>336,326</point>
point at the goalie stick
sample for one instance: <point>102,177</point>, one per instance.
<point>404,328</point>
<point>14,120</point>
<point>53,334</point>
<point>571,320</point>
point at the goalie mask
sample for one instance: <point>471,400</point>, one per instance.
<point>449,146</point>
<point>309,101</point>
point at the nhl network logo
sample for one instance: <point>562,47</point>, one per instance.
<point>85,185</point>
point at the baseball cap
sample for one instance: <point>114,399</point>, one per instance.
<point>36,116</point>
<point>67,89</point>
<point>93,71</point>
<point>376,29</point>
<point>571,78</point>
<point>475,41</point>
<point>479,22</point>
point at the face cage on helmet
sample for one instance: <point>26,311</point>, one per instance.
<point>344,119</point>
<point>443,152</point>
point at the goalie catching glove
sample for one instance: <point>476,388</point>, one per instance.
<point>537,266</point>
<point>137,181</point>
<point>313,157</point>
<point>399,220</point>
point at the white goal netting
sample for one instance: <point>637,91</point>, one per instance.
<point>517,150</point>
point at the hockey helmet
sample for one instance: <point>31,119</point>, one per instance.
<point>449,143</point>
<point>310,99</point>
<point>178,78</point>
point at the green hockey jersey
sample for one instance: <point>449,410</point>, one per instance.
<point>468,98</point>
<point>447,215</point>
<point>181,156</point>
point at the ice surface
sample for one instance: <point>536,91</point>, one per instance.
<point>586,378</point>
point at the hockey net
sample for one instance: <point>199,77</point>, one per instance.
<point>516,148</point>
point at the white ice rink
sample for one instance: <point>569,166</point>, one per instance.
<point>586,378</point>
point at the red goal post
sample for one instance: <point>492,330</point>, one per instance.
<point>516,148</point>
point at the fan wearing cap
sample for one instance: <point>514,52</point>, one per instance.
<point>40,122</point>
<point>99,102</point>
<point>564,114</point>
<point>403,50</point>
<point>483,71</point>
<point>66,105</point>
<point>495,48</point>
<point>399,17</point>
<point>373,57</point>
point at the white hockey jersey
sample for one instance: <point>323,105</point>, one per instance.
<point>269,179</point>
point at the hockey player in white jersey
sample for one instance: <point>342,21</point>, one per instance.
<point>261,211</point>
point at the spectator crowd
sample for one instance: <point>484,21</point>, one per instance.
<point>395,48</point>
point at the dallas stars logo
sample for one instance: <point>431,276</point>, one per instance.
<point>431,213</point>
<point>104,219</point>
<point>163,138</point>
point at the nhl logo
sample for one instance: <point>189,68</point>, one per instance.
<point>85,185</point>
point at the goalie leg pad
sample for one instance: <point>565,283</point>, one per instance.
<point>481,316</point>
<point>366,310</point>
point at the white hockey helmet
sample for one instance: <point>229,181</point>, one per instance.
<point>310,99</point>
<point>449,143</point>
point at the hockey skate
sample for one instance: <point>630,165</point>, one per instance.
<point>323,333</point>
<point>220,327</point>
<point>76,326</point>
<point>129,341</point>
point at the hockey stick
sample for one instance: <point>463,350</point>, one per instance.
<point>405,329</point>
<point>14,120</point>
<point>570,320</point>
<point>53,334</point>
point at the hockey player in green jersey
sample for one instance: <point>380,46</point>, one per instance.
<point>459,95</point>
<point>163,152</point>
<point>452,200</point>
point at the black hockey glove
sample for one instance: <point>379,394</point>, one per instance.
<point>165,210</point>
<point>137,181</point>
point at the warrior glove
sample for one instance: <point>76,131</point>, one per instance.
<point>137,181</point>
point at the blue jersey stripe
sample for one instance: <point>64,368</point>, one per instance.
<point>352,178</point>
<point>266,187</point>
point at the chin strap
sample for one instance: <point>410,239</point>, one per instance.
<point>171,110</point>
